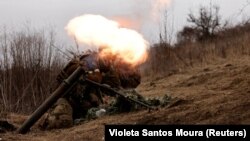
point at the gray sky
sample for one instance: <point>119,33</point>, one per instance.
<point>56,13</point>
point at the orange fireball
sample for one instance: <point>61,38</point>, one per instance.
<point>98,31</point>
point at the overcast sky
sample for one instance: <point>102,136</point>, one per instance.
<point>56,13</point>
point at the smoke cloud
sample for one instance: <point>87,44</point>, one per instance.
<point>143,12</point>
<point>98,31</point>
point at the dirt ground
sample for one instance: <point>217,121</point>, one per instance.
<point>218,93</point>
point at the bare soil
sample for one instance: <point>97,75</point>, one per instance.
<point>218,93</point>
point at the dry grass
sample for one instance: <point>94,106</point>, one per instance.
<point>165,59</point>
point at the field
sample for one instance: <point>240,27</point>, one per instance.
<point>218,93</point>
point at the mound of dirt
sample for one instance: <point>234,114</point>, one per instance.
<point>213,94</point>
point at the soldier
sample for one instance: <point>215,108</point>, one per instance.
<point>82,98</point>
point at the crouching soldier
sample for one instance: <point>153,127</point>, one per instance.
<point>83,97</point>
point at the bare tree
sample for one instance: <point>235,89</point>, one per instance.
<point>166,34</point>
<point>29,64</point>
<point>206,22</point>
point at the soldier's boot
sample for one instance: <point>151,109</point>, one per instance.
<point>59,116</point>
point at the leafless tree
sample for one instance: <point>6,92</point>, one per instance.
<point>29,64</point>
<point>206,22</point>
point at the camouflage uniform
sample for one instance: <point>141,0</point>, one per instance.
<point>60,115</point>
<point>80,101</point>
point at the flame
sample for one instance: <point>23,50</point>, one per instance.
<point>95,30</point>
